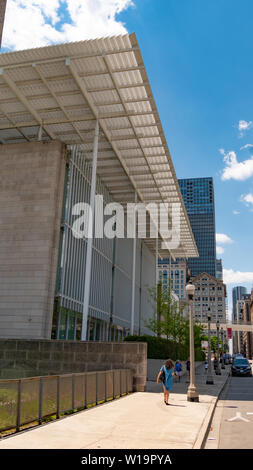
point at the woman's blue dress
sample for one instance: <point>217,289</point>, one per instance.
<point>168,383</point>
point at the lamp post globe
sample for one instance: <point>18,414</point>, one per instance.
<point>192,392</point>
<point>190,290</point>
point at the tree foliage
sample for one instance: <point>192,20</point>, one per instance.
<point>168,320</point>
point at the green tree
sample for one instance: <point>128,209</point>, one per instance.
<point>214,344</point>
<point>167,319</point>
<point>198,333</point>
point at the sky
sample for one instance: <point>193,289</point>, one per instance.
<point>198,56</point>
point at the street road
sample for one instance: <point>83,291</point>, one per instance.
<point>232,425</point>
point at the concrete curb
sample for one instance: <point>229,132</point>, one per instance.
<point>204,430</point>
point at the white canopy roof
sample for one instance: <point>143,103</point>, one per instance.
<point>63,89</point>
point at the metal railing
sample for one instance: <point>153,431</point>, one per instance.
<point>28,400</point>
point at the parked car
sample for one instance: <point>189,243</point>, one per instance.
<point>241,367</point>
<point>228,359</point>
<point>237,356</point>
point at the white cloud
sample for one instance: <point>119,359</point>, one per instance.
<point>236,277</point>
<point>248,200</point>
<point>223,238</point>
<point>247,146</point>
<point>37,22</point>
<point>244,126</point>
<point>236,170</point>
<point>236,212</point>
<point>219,250</point>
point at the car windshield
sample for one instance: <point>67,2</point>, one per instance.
<point>241,362</point>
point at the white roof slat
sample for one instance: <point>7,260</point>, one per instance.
<point>139,107</point>
<point>71,100</point>
<point>12,107</point>
<point>110,109</point>
<point>111,96</point>
<point>91,65</point>
<point>43,102</point>
<point>60,86</point>
<point>132,154</point>
<point>143,120</point>
<point>131,77</point>
<point>136,93</point>
<point>130,144</point>
<point>98,82</point>
<point>53,115</point>
<point>152,141</point>
<point>24,73</point>
<point>122,61</point>
<point>6,94</point>
<point>49,71</point>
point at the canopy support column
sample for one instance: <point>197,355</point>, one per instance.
<point>133,271</point>
<point>90,236</point>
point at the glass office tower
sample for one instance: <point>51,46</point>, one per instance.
<point>237,294</point>
<point>198,196</point>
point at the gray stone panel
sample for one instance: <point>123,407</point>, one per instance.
<point>31,191</point>
<point>26,358</point>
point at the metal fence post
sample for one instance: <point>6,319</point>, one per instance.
<point>19,405</point>
<point>96,388</point>
<point>113,394</point>
<point>105,385</point>
<point>126,380</point>
<point>58,398</point>
<point>85,390</point>
<point>73,392</point>
<point>120,387</point>
<point>40,400</point>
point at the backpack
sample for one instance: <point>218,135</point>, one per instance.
<point>162,376</point>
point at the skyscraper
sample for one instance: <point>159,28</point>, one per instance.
<point>198,196</point>
<point>237,294</point>
<point>2,15</point>
<point>219,270</point>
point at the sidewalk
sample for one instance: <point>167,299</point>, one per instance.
<point>136,421</point>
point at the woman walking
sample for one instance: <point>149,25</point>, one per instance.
<point>178,369</point>
<point>168,369</point>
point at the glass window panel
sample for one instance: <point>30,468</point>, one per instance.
<point>63,325</point>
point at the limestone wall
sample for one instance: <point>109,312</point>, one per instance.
<point>31,192</point>
<point>28,358</point>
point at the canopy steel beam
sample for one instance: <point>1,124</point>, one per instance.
<point>23,100</point>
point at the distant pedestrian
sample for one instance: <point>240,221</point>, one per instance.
<point>206,366</point>
<point>188,366</point>
<point>168,369</point>
<point>178,369</point>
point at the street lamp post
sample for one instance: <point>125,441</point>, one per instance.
<point>223,362</point>
<point>209,379</point>
<point>218,371</point>
<point>192,392</point>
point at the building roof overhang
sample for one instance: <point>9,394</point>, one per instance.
<point>58,92</point>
